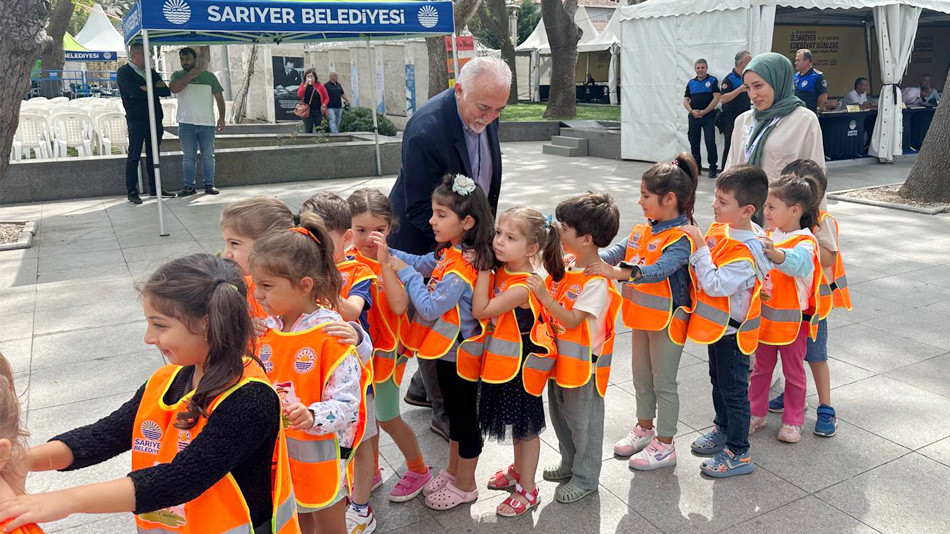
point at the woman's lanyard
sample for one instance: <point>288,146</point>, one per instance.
<point>750,147</point>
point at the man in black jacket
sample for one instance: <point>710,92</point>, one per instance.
<point>131,80</point>
<point>455,132</point>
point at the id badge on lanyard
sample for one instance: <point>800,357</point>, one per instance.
<point>750,147</point>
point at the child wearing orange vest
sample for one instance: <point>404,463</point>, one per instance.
<point>236,476</point>
<point>442,317</point>
<point>372,216</point>
<point>321,380</point>
<point>727,269</point>
<point>580,310</point>
<point>522,237</point>
<point>13,466</point>
<point>355,303</point>
<point>789,301</point>
<point>833,293</point>
<point>243,223</point>
<point>652,265</point>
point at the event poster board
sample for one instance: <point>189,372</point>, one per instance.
<point>288,75</point>
<point>931,56</point>
<point>840,52</point>
<point>464,48</point>
<point>598,63</point>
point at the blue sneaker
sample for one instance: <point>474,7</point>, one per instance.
<point>827,424</point>
<point>726,464</point>
<point>709,443</point>
<point>777,405</point>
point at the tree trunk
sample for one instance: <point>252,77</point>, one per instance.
<point>240,98</point>
<point>53,57</point>
<point>928,180</point>
<point>435,46</point>
<point>22,25</point>
<point>497,23</point>
<point>563,35</point>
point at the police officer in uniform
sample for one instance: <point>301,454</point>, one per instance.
<point>735,100</point>
<point>810,84</point>
<point>700,100</point>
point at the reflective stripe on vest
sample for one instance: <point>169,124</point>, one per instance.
<point>312,452</point>
<point>781,315</point>
<point>711,314</point>
<point>646,300</point>
<point>569,349</point>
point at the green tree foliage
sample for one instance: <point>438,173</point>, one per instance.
<point>528,18</point>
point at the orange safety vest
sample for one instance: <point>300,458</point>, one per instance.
<point>431,340</point>
<point>648,306</point>
<point>710,316</point>
<point>781,313</point>
<point>383,328</point>
<point>833,293</point>
<point>495,355</point>
<point>299,364</point>
<point>221,508</point>
<point>573,360</point>
<point>25,529</point>
<point>255,308</point>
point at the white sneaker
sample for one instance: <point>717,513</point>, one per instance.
<point>656,455</point>
<point>360,524</point>
<point>634,442</point>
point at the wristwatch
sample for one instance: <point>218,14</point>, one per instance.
<point>634,270</point>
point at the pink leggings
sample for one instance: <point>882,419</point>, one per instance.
<point>793,367</point>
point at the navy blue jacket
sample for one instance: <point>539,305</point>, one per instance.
<point>432,145</point>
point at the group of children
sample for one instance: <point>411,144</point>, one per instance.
<point>509,308</point>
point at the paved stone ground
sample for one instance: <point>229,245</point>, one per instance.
<point>72,326</point>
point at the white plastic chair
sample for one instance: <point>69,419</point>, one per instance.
<point>113,132</point>
<point>72,130</point>
<point>31,135</point>
<point>170,112</point>
<point>58,99</point>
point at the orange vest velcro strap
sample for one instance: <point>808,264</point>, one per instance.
<point>535,373</point>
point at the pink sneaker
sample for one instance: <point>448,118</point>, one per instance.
<point>377,480</point>
<point>438,482</point>
<point>634,442</point>
<point>756,423</point>
<point>790,433</point>
<point>656,455</point>
<point>410,485</point>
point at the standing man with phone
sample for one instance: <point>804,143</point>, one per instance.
<point>198,90</point>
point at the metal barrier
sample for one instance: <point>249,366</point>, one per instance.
<point>74,83</point>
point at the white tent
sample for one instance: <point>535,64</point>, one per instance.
<point>99,34</point>
<point>608,39</point>
<point>662,38</point>
<point>537,44</point>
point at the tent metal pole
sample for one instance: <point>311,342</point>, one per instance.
<point>455,59</point>
<point>375,107</point>
<point>150,91</point>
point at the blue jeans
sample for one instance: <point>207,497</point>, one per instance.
<point>729,374</point>
<point>192,137</point>
<point>335,114</point>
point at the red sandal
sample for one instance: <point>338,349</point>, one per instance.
<point>504,479</point>
<point>519,507</point>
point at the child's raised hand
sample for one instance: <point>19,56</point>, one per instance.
<point>382,249</point>
<point>469,256</point>
<point>260,326</point>
<point>343,330</point>
<point>536,285</point>
<point>300,417</point>
<point>38,508</point>
<point>694,233</point>
<point>772,253</point>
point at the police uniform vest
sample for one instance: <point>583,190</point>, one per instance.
<point>572,362</point>
<point>257,311</point>
<point>833,293</point>
<point>431,340</point>
<point>648,306</point>
<point>741,103</point>
<point>383,328</point>
<point>495,355</point>
<point>221,508</point>
<point>781,312</point>
<point>700,92</point>
<point>299,364</point>
<point>808,86</point>
<point>710,316</point>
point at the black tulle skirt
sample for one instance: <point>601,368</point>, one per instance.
<point>507,411</point>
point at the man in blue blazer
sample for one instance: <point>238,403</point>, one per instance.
<point>454,132</point>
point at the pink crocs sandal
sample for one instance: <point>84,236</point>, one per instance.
<point>449,497</point>
<point>438,482</point>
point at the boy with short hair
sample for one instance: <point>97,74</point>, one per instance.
<point>728,270</point>
<point>587,222</point>
<point>835,285</point>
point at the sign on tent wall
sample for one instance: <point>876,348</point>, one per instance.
<point>840,52</point>
<point>288,74</point>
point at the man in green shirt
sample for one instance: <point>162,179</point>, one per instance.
<point>196,89</point>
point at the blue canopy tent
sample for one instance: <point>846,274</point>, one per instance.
<point>221,22</point>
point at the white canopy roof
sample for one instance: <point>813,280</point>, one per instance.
<point>666,8</point>
<point>608,37</point>
<point>99,34</point>
<point>538,40</point>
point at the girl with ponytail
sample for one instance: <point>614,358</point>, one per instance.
<point>204,431</point>
<point>311,357</point>
<point>653,267</point>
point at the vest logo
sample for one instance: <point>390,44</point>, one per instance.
<point>265,355</point>
<point>151,430</point>
<point>711,242</point>
<point>573,292</point>
<point>184,439</point>
<point>428,16</point>
<point>304,360</point>
<point>804,83</point>
<point>655,244</point>
<point>176,11</point>
<point>635,240</point>
<point>152,441</point>
<point>708,84</point>
<point>345,276</point>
